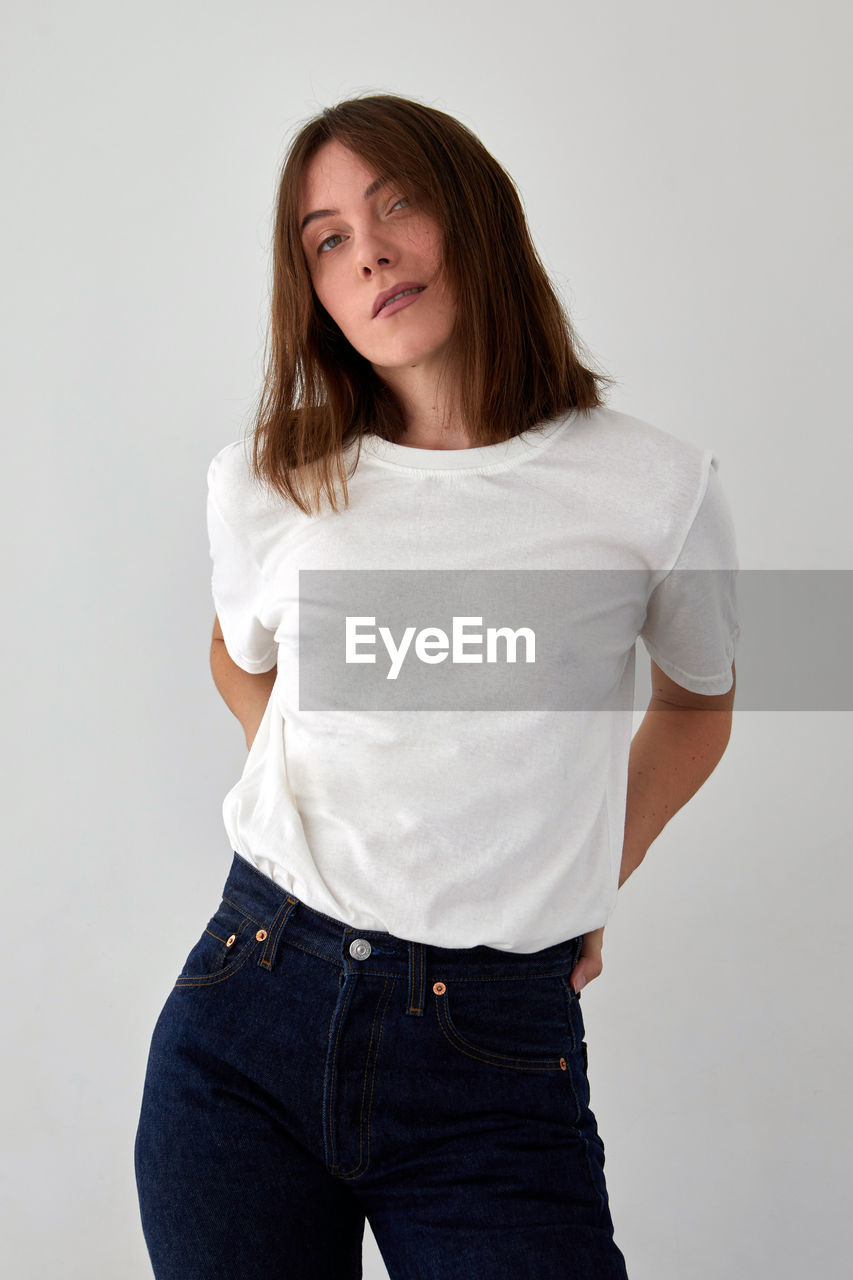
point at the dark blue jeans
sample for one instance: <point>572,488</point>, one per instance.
<point>305,1075</point>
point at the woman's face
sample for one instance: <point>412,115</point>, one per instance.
<point>367,247</point>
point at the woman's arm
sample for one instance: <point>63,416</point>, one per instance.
<point>677,747</point>
<point>245,694</point>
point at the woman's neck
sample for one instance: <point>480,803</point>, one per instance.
<point>422,436</point>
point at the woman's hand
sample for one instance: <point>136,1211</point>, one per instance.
<point>589,963</point>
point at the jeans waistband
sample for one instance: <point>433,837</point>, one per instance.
<point>377,951</point>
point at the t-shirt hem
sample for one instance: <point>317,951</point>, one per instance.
<point>254,666</point>
<point>715,684</point>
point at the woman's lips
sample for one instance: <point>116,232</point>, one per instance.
<point>391,307</point>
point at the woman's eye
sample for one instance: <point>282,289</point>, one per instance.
<point>320,248</point>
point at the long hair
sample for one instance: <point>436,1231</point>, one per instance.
<point>512,336</point>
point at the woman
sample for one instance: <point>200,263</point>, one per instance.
<point>382,1017</point>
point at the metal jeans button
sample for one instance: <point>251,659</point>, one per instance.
<point>360,948</point>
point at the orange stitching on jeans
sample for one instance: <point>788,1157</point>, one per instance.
<point>332,1077</point>
<point>490,1056</point>
<point>383,1003</point>
<point>242,910</point>
<point>274,934</point>
<point>209,980</point>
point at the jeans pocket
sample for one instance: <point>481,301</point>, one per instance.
<point>518,1024</point>
<point>229,939</point>
<point>577,1030</point>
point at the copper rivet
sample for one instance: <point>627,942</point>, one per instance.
<point>233,938</point>
<point>562,1064</point>
<point>439,988</point>
<point>261,934</point>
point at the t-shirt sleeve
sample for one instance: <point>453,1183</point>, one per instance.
<point>692,622</point>
<point>237,587</point>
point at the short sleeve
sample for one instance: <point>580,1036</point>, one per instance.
<point>237,588</point>
<point>692,623</point>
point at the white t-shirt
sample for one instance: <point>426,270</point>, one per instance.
<point>500,824</point>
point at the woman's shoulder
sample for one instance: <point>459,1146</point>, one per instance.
<point>229,468</point>
<point>611,431</point>
<point>232,485</point>
<point>634,456</point>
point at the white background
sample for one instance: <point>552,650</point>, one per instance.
<point>685,172</point>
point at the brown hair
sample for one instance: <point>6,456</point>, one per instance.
<point>516,344</point>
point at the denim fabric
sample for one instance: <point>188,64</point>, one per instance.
<point>304,1075</point>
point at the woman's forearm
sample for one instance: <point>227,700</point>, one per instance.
<point>244,694</point>
<point>672,753</point>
